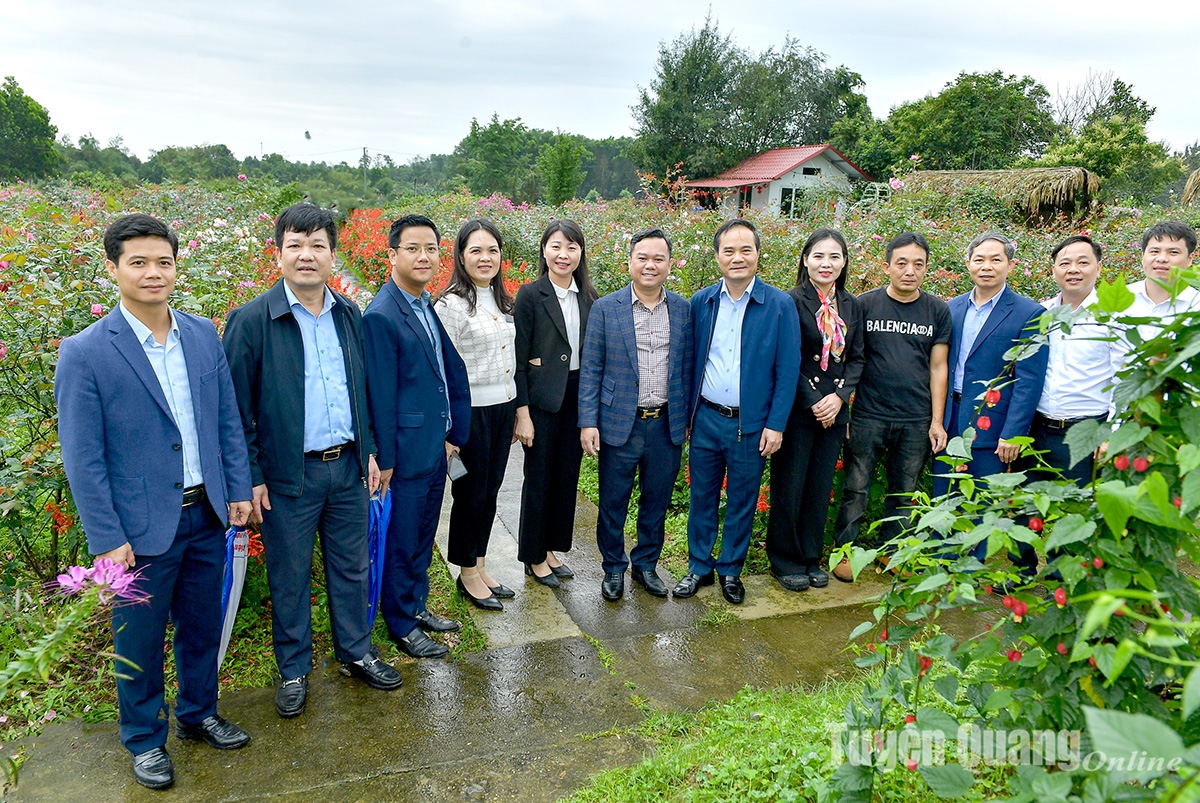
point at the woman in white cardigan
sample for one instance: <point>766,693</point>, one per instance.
<point>476,310</point>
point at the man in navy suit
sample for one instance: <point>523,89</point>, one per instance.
<point>633,397</point>
<point>746,337</point>
<point>153,450</point>
<point>988,321</point>
<point>421,411</point>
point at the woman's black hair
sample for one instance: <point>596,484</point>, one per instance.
<point>461,284</point>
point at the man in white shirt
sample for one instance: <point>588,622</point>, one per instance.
<point>1167,248</point>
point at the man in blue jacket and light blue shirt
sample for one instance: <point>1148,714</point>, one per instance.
<point>635,377</point>
<point>153,449</point>
<point>747,364</point>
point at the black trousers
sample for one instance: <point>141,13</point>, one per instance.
<point>485,457</point>
<point>334,503</point>
<point>907,448</point>
<point>801,479</point>
<point>551,479</point>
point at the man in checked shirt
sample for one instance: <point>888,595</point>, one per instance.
<point>635,372</point>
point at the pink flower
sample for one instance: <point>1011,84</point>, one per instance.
<point>896,183</point>
<point>49,715</point>
<point>241,176</point>
<point>192,244</point>
<point>97,310</point>
<point>74,580</point>
<point>914,158</point>
<point>3,350</point>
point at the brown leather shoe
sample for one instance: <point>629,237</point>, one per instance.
<point>842,571</point>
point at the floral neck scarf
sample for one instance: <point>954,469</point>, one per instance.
<point>832,328</point>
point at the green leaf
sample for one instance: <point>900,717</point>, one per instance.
<point>1069,530</point>
<point>1118,734</point>
<point>1085,437</point>
<point>852,778</point>
<point>870,659</point>
<point>1099,614</point>
<point>1128,435</point>
<point>1117,502</point>
<point>939,520</point>
<point>948,780</point>
<point>932,719</point>
<point>1125,652</point>
<point>1191,492</point>
<point>858,631</point>
<point>1189,419</point>
<point>947,686</point>
<point>960,447</point>
<point>1188,458</point>
<point>1114,296</point>
<point>1051,787</point>
<point>935,581</point>
<point>860,558</point>
<point>1191,692</point>
<point>999,699</point>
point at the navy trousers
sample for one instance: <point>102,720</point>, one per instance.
<point>183,583</point>
<point>416,506</point>
<point>983,463</point>
<point>650,453</point>
<point>717,449</point>
<point>334,503</point>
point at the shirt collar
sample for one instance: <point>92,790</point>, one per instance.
<point>990,302</point>
<point>141,331</point>
<point>1185,295</point>
<point>561,292</point>
<point>662,294</point>
<point>1057,301</point>
<point>749,289</point>
<point>420,301</point>
<point>293,301</point>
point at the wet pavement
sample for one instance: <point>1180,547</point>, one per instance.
<point>513,723</point>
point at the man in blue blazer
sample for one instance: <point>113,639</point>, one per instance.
<point>635,376</point>
<point>988,321</point>
<point>153,450</point>
<point>746,337</point>
<point>421,410</point>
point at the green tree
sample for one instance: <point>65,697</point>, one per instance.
<point>1118,150</point>
<point>498,157</point>
<point>197,163</point>
<point>980,121</point>
<point>26,136</point>
<point>558,165</point>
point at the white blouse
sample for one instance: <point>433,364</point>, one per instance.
<point>485,342</point>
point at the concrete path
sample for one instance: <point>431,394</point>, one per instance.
<point>507,724</point>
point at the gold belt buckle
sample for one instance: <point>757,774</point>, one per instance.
<point>332,453</point>
<point>647,413</point>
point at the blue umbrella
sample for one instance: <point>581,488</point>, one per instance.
<point>237,544</point>
<point>379,517</point>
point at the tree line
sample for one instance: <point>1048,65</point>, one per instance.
<point>710,105</point>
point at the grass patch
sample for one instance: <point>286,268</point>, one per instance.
<point>606,657</point>
<point>717,616</point>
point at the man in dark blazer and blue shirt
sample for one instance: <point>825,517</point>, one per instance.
<point>633,398</point>
<point>989,320</point>
<point>421,410</point>
<point>296,356</point>
<point>153,450</point>
<point>746,337</point>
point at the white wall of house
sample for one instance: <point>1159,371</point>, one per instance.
<point>828,175</point>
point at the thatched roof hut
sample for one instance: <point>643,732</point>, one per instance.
<point>1036,189</point>
<point>1191,190</point>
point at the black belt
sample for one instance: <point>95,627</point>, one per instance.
<point>651,412</point>
<point>957,397</point>
<point>728,412</point>
<point>193,495</point>
<point>1066,423</point>
<point>332,453</point>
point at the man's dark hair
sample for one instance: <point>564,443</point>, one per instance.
<point>729,224</point>
<point>461,283</point>
<point>1170,230</point>
<point>305,219</point>
<point>1077,238</point>
<point>1010,250</point>
<point>411,222</point>
<point>819,236</point>
<point>905,239</point>
<point>129,227</point>
<point>650,234</point>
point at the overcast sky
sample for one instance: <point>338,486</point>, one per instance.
<point>406,78</point>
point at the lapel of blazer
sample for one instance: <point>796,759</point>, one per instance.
<point>625,318</point>
<point>126,343</point>
<point>676,314</point>
<point>958,318</point>
<point>1001,311</point>
<point>409,317</point>
<point>551,305</point>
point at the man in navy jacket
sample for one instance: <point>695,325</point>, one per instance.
<point>421,410</point>
<point>635,377</point>
<point>153,450</point>
<point>747,364</point>
<point>989,320</point>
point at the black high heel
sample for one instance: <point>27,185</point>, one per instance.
<point>549,580</point>
<point>488,603</point>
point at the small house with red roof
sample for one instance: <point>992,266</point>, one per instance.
<point>778,178</point>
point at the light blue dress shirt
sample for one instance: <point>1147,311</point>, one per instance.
<point>170,366</point>
<point>423,307</point>
<point>328,421</point>
<point>975,318</point>
<point>723,368</point>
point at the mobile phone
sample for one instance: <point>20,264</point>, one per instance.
<point>455,469</point>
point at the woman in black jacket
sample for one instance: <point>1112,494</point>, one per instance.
<point>551,316</point>
<point>831,362</point>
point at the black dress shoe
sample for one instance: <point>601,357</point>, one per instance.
<point>732,589</point>
<point>373,671</point>
<point>793,582</point>
<point>613,587</point>
<point>419,645</point>
<point>488,603</point>
<point>436,624</point>
<point>502,592</point>
<point>153,769</point>
<point>563,571</point>
<point>291,697</point>
<point>550,580</point>
<point>688,586</point>
<point>217,731</point>
<point>649,580</point>
<point>818,578</point>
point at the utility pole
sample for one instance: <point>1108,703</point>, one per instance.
<point>366,161</point>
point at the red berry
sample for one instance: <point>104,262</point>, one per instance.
<point>1121,462</point>
<point>1062,648</point>
<point>1036,524</point>
<point>1177,502</point>
<point>1119,611</point>
<point>1060,596</point>
<point>925,662</point>
<point>1092,661</point>
<point>910,719</point>
<point>883,635</point>
<point>1009,600</point>
<point>1014,655</point>
<point>1020,608</point>
<point>1098,562</point>
<point>911,764</point>
<point>871,646</point>
<point>1140,464</point>
<point>961,468</point>
<point>984,422</point>
<point>991,397</point>
<point>1165,608</point>
<point>988,589</point>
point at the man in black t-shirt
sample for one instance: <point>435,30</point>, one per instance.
<point>900,400</point>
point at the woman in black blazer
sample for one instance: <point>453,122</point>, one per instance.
<point>551,315</point>
<point>831,362</point>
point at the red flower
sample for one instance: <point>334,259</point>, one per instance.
<point>1177,502</point>
<point>763,505</point>
<point>1020,608</point>
<point>1014,655</point>
<point>961,468</point>
<point>1121,462</point>
<point>910,719</point>
<point>1140,464</point>
<point>984,422</point>
<point>1062,648</point>
<point>911,764</point>
<point>1098,562</point>
<point>1009,600</point>
<point>991,397</point>
<point>1060,596</point>
<point>988,589</point>
<point>1036,524</point>
<point>883,636</point>
<point>1092,661</point>
<point>925,662</point>
<point>839,465</point>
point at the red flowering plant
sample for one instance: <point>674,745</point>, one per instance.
<point>1104,639</point>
